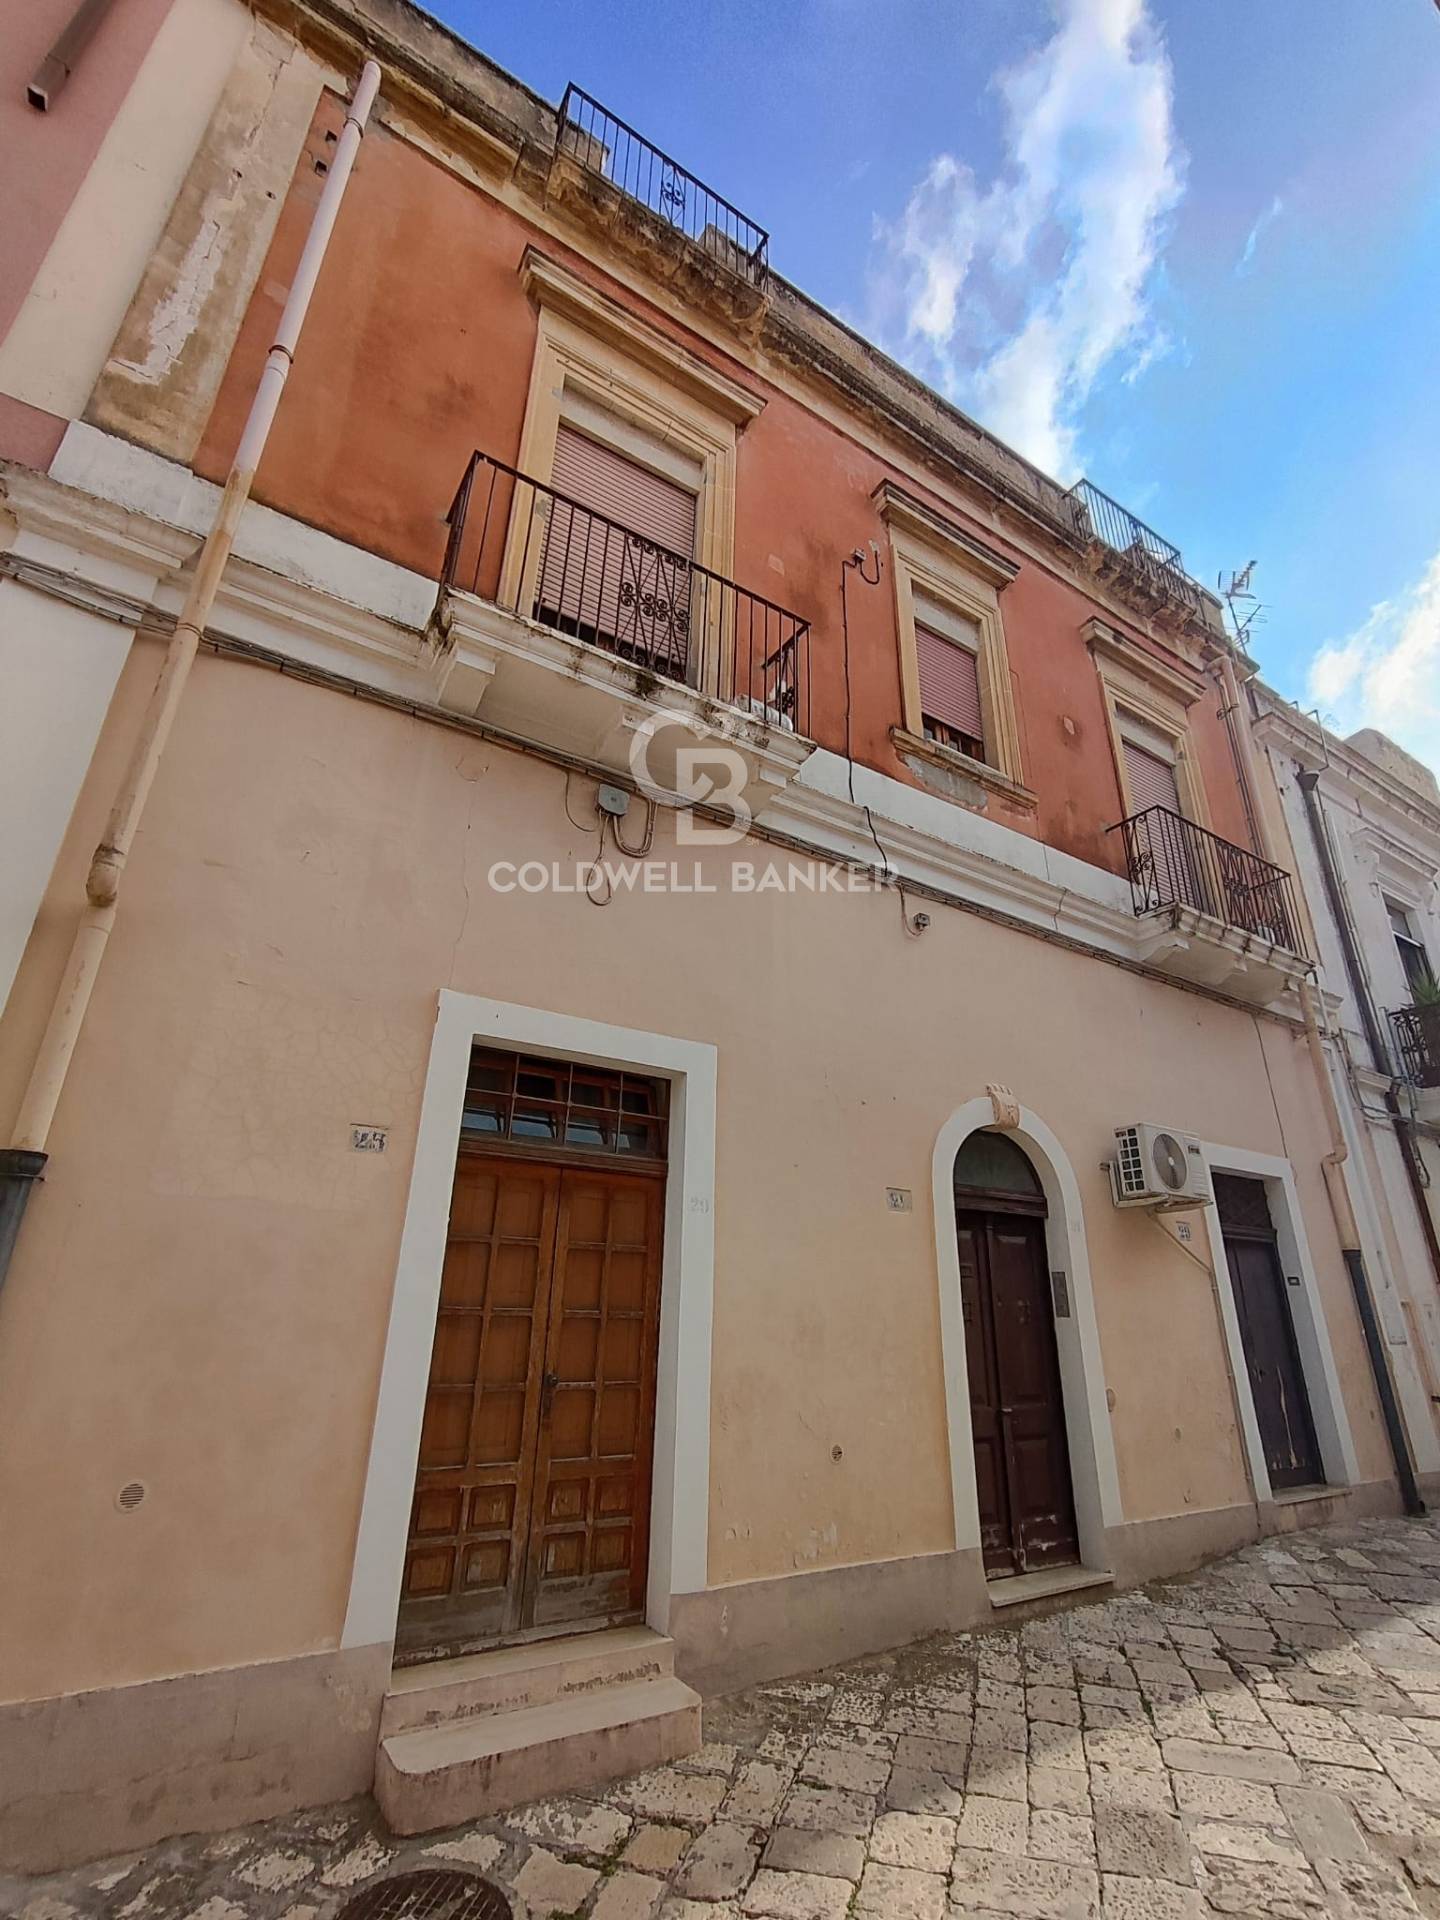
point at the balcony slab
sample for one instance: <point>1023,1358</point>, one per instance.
<point>1196,947</point>
<point>526,679</point>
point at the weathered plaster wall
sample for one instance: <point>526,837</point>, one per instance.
<point>61,334</point>
<point>165,367</point>
<point>204,1277</point>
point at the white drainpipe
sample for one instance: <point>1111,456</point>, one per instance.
<point>22,1165</point>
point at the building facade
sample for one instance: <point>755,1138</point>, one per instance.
<point>1359,820</point>
<point>705,1035</point>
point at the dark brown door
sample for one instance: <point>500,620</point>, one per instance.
<point>1022,1459</point>
<point>1272,1359</point>
<point>532,1489</point>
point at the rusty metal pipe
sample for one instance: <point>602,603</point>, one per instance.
<point>63,58</point>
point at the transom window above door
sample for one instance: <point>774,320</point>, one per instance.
<point>528,1101</point>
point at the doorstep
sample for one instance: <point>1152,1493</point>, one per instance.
<point>463,1738</point>
<point>1018,1588</point>
<point>1299,1496</point>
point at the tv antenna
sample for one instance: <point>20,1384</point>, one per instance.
<point>1246,612</point>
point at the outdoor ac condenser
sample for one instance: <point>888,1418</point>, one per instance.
<point>1157,1167</point>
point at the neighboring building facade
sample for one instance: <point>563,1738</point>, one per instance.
<point>1359,822</point>
<point>429,1256</point>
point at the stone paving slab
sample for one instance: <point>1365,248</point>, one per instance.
<point>1261,1739</point>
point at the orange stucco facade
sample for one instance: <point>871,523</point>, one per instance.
<point>418,350</point>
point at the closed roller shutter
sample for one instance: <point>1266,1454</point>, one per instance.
<point>1167,863</point>
<point>950,692</point>
<point>1152,780</point>
<point>599,580</point>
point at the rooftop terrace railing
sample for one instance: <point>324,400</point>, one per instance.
<point>1155,560</point>
<point>608,147</point>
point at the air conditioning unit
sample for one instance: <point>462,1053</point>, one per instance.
<point>1158,1168</point>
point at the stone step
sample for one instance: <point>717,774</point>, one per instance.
<point>484,1763</point>
<point>510,1679</point>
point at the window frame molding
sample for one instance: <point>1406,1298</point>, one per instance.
<point>1134,684</point>
<point>592,355</point>
<point>933,560</point>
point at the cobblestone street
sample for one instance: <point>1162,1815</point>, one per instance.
<point>1262,1738</point>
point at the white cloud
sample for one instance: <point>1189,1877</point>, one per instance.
<point>1014,295</point>
<point>1387,673</point>
<point>1252,239</point>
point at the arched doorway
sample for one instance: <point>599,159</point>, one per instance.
<point>1017,1412</point>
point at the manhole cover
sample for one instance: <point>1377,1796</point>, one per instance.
<point>440,1893</point>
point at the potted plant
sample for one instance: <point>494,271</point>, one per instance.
<point>1425,999</point>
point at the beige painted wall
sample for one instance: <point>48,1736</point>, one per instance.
<point>200,1295</point>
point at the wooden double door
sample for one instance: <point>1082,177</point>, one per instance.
<point>532,1495</point>
<point>1017,1414</point>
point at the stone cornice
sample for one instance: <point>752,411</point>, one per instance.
<point>1110,644</point>
<point>900,509</point>
<point>550,285</point>
<point>1321,751</point>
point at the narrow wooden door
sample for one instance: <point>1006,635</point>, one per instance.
<point>1022,1459</point>
<point>590,1535</point>
<point>532,1488</point>
<point>1272,1359</point>
<point>469,1525</point>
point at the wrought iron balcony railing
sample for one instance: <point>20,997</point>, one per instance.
<point>539,553</point>
<point>1174,863</point>
<point>1154,560</point>
<point>1415,1032</point>
<point>614,151</point>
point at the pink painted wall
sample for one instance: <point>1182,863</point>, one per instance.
<point>47,155</point>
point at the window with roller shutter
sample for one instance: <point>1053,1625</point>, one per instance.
<point>1165,855</point>
<point>616,565</point>
<point>1152,780</point>
<point>949,692</point>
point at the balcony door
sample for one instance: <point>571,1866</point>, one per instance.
<point>617,564</point>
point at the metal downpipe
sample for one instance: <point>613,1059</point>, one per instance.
<point>67,1014</point>
<point>1333,1163</point>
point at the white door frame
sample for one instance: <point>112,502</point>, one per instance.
<point>1307,1314</point>
<point>1093,1474</point>
<point>680,1487</point>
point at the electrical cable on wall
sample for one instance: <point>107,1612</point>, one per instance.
<point>607,823</point>
<point>914,924</point>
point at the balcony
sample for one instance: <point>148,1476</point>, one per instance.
<point>576,630</point>
<point>1133,555</point>
<point>1220,915</point>
<point>687,234</point>
<point>1415,1033</point>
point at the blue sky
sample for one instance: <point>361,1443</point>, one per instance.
<point>1190,248</point>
